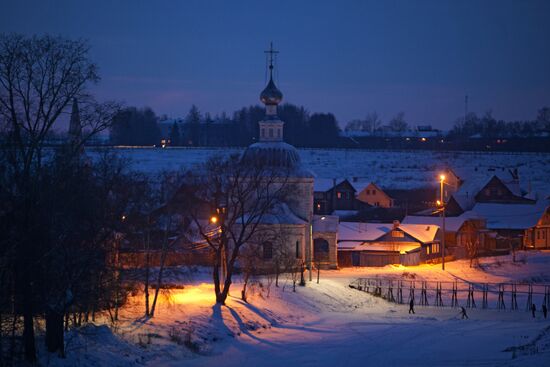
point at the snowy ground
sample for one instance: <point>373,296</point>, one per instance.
<point>326,324</point>
<point>389,169</point>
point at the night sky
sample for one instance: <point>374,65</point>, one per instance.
<point>345,57</point>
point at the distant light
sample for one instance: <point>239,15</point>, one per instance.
<point>438,203</point>
<point>423,139</point>
<point>213,219</point>
<point>123,217</point>
<point>442,177</point>
<point>323,217</point>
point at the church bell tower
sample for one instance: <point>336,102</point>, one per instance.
<point>271,127</point>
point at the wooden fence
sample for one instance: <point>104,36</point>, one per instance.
<point>457,293</point>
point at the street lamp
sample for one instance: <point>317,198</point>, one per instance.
<point>441,203</point>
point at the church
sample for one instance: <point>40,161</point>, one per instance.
<point>308,237</point>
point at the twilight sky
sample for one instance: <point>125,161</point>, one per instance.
<point>345,57</point>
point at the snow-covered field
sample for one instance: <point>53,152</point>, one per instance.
<point>325,324</point>
<point>389,169</point>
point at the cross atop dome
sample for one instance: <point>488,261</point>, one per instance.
<point>271,128</point>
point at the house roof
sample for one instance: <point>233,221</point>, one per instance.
<point>367,232</point>
<point>465,196</point>
<point>452,224</point>
<point>281,214</point>
<point>511,216</point>
<point>325,184</point>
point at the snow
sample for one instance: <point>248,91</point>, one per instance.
<point>325,324</point>
<point>388,169</point>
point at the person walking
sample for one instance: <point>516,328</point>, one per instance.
<point>463,313</point>
<point>533,309</point>
<point>544,310</point>
<point>411,306</point>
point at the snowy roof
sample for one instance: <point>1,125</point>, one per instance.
<point>472,185</point>
<point>452,224</point>
<point>281,214</point>
<point>325,184</point>
<point>511,216</point>
<point>366,232</point>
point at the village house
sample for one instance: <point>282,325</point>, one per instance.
<point>538,236</point>
<point>373,195</point>
<point>380,244</point>
<point>334,195</point>
<point>460,233</point>
<point>511,221</point>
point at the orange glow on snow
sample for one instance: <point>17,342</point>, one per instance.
<point>199,294</point>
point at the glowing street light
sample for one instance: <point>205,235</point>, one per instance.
<point>441,203</point>
<point>213,219</point>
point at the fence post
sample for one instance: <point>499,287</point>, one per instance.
<point>400,292</point>
<point>438,299</point>
<point>500,303</point>
<point>390,291</point>
<point>471,303</point>
<point>514,303</point>
<point>484,303</point>
<point>423,294</point>
<point>529,297</point>
<point>454,298</point>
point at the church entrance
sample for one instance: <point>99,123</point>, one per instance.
<point>320,250</point>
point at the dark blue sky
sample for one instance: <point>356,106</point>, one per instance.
<point>347,57</point>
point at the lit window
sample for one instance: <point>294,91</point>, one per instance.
<point>339,195</point>
<point>397,234</point>
<point>428,250</point>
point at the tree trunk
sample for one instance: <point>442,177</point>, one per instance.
<point>243,291</point>
<point>147,270</point>
<point>55,341</point>
<point>28,322</point>
<point>161,268</point>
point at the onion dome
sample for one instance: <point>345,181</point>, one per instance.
<point>271,95</point>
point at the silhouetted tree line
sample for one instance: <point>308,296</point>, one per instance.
<point>489,127</point>
<point>142,127</point>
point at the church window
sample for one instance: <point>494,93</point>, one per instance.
<point>270,132</point>
<point>263,133</point>
<point>298,252</point>
<point>278,133</point>
<point>267,251</point>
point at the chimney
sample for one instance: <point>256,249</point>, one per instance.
<point>396,224</point>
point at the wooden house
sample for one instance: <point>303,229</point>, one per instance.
<point>538,236</point>
<point>374,196</point>
<point>334,195</point>
<point>380,244</point>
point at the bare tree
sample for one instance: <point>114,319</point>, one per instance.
<point>240,197</point>
<point>39,77</point>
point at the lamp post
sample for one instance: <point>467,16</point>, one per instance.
<point>442,203</point>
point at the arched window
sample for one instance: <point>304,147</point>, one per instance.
<point>267,251</point>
